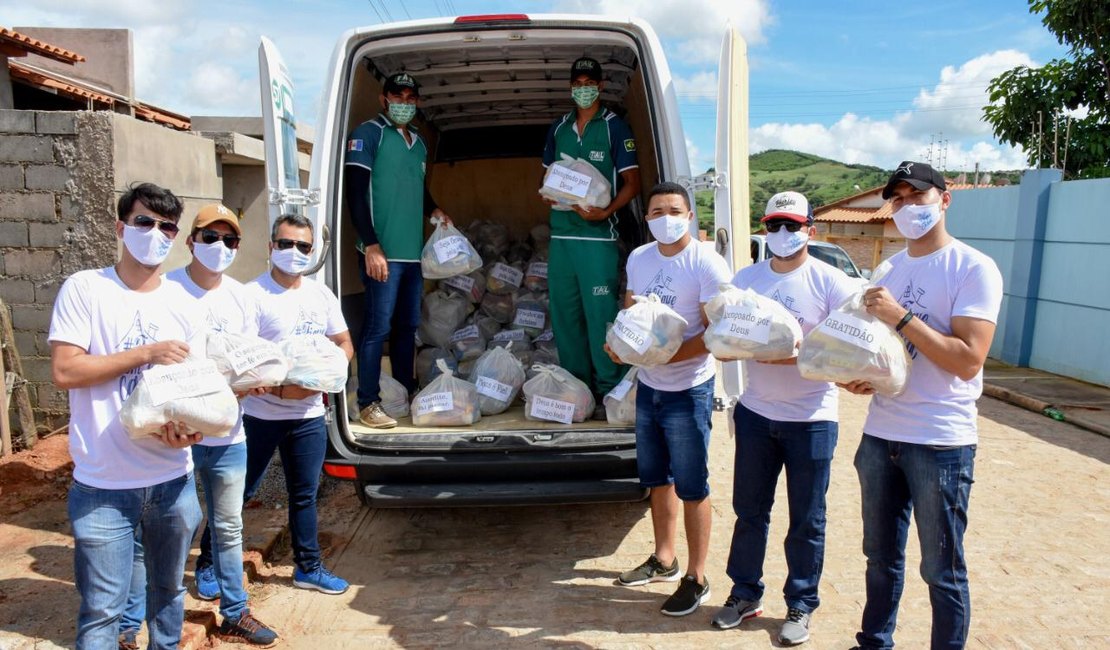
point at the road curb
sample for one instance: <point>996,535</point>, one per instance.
<point>1038,406</point>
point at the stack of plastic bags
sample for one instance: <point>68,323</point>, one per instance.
<point>315,363</point>
<point>646,334</point>
<point>447,253</point>
<point>446,402</point>
<point>193,392</point>
<point>246,361</point>
<point>440,316</point>
<point>573,181</point>
<point>427,363</point>
<point>746,325</point>
<point>555,395</point>
<point>498,376</point>
<point>620,403</point>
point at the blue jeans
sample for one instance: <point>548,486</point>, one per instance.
<point>105,524</point>
<point>392,314</point>
<point>935,484</point>
<point>763,448</point>
<point>672,438</point>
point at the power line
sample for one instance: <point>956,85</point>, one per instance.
<point>404,8</point>
<point>379,14</point>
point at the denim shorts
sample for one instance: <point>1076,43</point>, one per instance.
<point>672,438</point>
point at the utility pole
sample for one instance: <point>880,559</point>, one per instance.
<point>1040,137</point>
<point>976,175</point>
<point>1055,137</point>
<point>1067,139</point>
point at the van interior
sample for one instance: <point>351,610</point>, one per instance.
<point>485,108</point>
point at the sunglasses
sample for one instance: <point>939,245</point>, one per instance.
<point>209,236</point>
<point>304,247</point>
<point>146,222</point>
<point>791,226</point>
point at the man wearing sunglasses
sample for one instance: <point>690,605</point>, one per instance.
<point>290,419</point>
<point>108,326</point>
<point>783,420</point>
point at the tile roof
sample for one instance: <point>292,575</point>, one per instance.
<point>854,215</point>
<point>22,44</point>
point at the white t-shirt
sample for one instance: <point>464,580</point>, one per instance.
<point>938,408</point>
<point>683,282</point>
<point>95,311</point>
<point>227,308</point>
<point>309,309</point>
<point>809,292</point>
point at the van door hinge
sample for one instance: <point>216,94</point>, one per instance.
<point>295,196</point>
<point>710,181</point>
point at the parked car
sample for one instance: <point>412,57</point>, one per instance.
<point>826,252</point>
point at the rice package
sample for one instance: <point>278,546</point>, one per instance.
<point>441,313</point>
<point>394,396</point>
<point>498,306</point>
<point>574,181</point>
<point>468,343</point>
<point>530,315</point>
<point>535,275</point>
<point>315,363</point>
<point>447,252</point>
<point>620,403</point>
<point>646,334</point>
<point>193,392</point>
<point>472,285</point>
<point>427,367</point>
<point>247,361</point>
<point>446,402</point>
<point>746,325</point>
<point>504,278</point>
<point>498,376</point>
<point>555,395</point>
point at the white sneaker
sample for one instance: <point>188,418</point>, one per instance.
<point>375,417</point>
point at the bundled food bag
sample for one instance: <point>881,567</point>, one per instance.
<point>746,325</point>
<point>193,391</point>
<point>504,278</point>
<point>646,334</point>
<point>498,376</point>
<point>573,181</point>
<point>530,315</point>
<point>315,363</point>
<point>620,403</point>
<point>498,306</point>
<point>519,253</point>
<point>544,350</point>
<point>427,368</point>
<point>466,367</point>
<point>468,343</point>
<point>446,402</point>
<point>535,274</point>
<point>247,361</point>
<point>492,238</point>
<point>472,285</point>
<point>555,395</point>
<point>447,252</point>
<point>487,325</point>
<point>440,315</point>
<point>394,396</point>
<point>541,239</point>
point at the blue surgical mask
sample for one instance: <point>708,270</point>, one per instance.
<point>215,257</point>
<point>401,113</point>
<point>148,246</point>
<point>585,96</point>
<point>913,221</point>
<point>784,243</point>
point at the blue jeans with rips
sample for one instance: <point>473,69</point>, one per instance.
<point>392,314</point>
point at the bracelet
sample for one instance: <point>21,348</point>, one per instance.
<point>905,320</point>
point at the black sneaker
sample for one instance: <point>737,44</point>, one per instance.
<point>247,629</point>
<point>652,570</point>
<point>687,597</point>
<point>128,640</point>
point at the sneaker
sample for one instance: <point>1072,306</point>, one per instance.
<point>321,580</point>
<point>128,640</point>
<point>651,570</point>
<point>796,628</point>
<point>207,587</point>
<point>247,629</point>
<point>686,598</point>
<point>374,416</point>
<point>736,611</point>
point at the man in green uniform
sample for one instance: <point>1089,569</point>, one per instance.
<point>583,269</point>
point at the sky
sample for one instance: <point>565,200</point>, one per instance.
<point>859,82</point>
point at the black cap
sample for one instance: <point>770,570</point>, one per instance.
<point>586,66</point>
<point>918,174</point>
<point>398,82</point>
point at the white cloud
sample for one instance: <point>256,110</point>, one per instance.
<point>698,87</point>
<point>216,86</point>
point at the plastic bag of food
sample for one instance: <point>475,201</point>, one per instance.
<point>194,392</point>
<point>487,325</point>
<point>493,239</point>
<point>447,252</point>
<point>545,341</point>
<point>504,278</point>
<point>426,366</point>
<point>315,363</point>
<point>851,345</point>
<point>468,343</point>
<point>646,334</point>
<point>541,239</point>
<point>472,285</point>
<point>620,403</point>
<point>746,325</point>
<point>498,376</point>
<point>246,361</point>
<point>394,396</point>
<point>446,402</point>
<point>498,306</point>
<point>555,395</point>
<point>519,253</point>
<point>530,315</point>
<point>466,367</point>
<point>535,274</point>
<point>440,315</point>
<point>573,181</point>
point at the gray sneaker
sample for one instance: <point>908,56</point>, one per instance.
<point>796,628</point>
<point>736,611</point>
<point>652,570</point>
<point>374,416</point>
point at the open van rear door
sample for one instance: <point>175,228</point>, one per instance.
<point>283,175</point>
<point>731,194</point>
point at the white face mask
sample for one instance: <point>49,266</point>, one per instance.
<point>148,246</point>
<point>913,221</point>
<point>668,229</point>
<point>215,256</point>
<point>290,260</point>
<point>785,243</point>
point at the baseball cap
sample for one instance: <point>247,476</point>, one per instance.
<point>214,212</point>
<point>398,82</point>
<point>586,66</point>
<point>918,174</point>
<point>791,206</point>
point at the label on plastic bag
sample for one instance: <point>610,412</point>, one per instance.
<point>510,335</point>
<point>494,389</point>
<point>507,274</point>
<point>450,247</point>
<point>620,391</point>
<point>537,269</point>
<point>545,408</point>
<point>631,334</point>
<point>547,335</point>
<point>182,380</point>
<point>747,322</point>
<point>434,403</point>
<point>567,181</point>
<point>851,329</point>
<point>529,318</point>
<point>464,283</point>
<point>244,358</point>
<point>468,332</point>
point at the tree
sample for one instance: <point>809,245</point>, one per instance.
<point>1029,106</point>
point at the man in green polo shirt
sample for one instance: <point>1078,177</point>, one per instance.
<point>583,269</point>
<point>384,186</point>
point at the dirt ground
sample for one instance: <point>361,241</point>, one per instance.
<point>35,475</point>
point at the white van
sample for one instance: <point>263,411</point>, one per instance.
<point>490,88</point>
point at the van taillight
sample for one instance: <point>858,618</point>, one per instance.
<point>341,471</point>
<point>493,18</point>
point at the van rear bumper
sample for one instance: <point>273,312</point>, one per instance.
<point>509,493</point>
